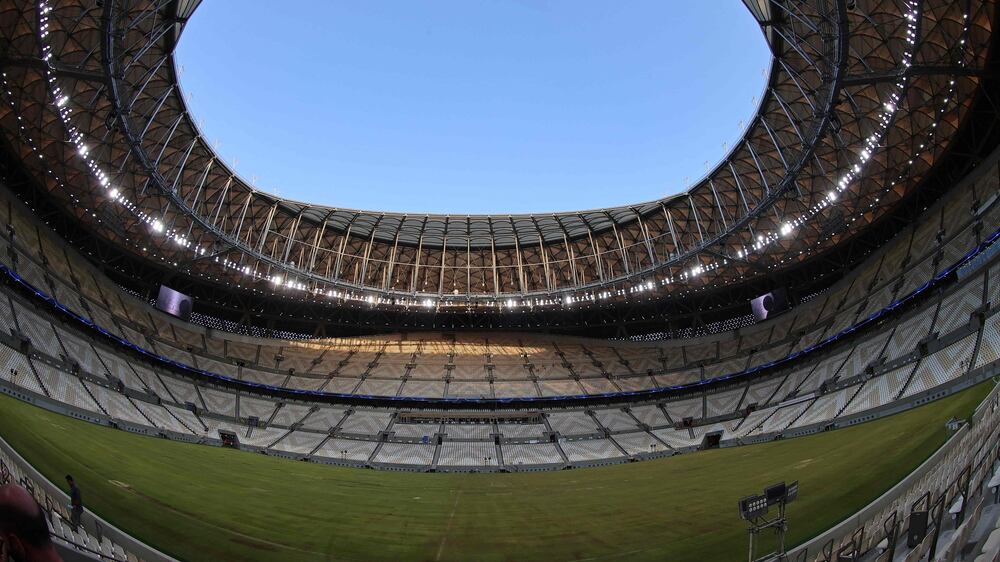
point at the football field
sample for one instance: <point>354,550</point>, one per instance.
<point>205,503</point>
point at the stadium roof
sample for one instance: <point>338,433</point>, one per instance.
<point>862,100</point>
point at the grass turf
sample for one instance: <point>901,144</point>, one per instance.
<point>205,503</point>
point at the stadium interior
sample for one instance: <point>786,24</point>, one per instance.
<point>819,311</point>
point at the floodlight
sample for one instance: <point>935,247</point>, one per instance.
<point>753,506</point>
<point>754,510</point>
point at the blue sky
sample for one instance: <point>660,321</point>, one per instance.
<point>472,106</point>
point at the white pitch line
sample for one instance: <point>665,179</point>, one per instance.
<point>451,517</point>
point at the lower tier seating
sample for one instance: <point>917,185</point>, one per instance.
<point>898,362</point>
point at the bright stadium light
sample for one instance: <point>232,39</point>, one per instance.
<point>753,506</point>
<point>754,510</point>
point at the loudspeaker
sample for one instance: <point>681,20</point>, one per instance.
<point>918,528</point>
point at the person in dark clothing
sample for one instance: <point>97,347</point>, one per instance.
<point>24,531</point>
<point>75,503</point>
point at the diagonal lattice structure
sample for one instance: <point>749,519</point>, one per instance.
<point>863,98</point>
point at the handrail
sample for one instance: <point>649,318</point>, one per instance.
<point>864,516</point>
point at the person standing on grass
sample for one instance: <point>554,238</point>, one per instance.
<point>75,503</point>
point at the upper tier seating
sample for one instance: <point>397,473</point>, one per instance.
<point>512,365</point>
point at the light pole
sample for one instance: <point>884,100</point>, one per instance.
<point>754,510</point>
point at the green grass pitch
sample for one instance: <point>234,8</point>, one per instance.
<point>205,503</point>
